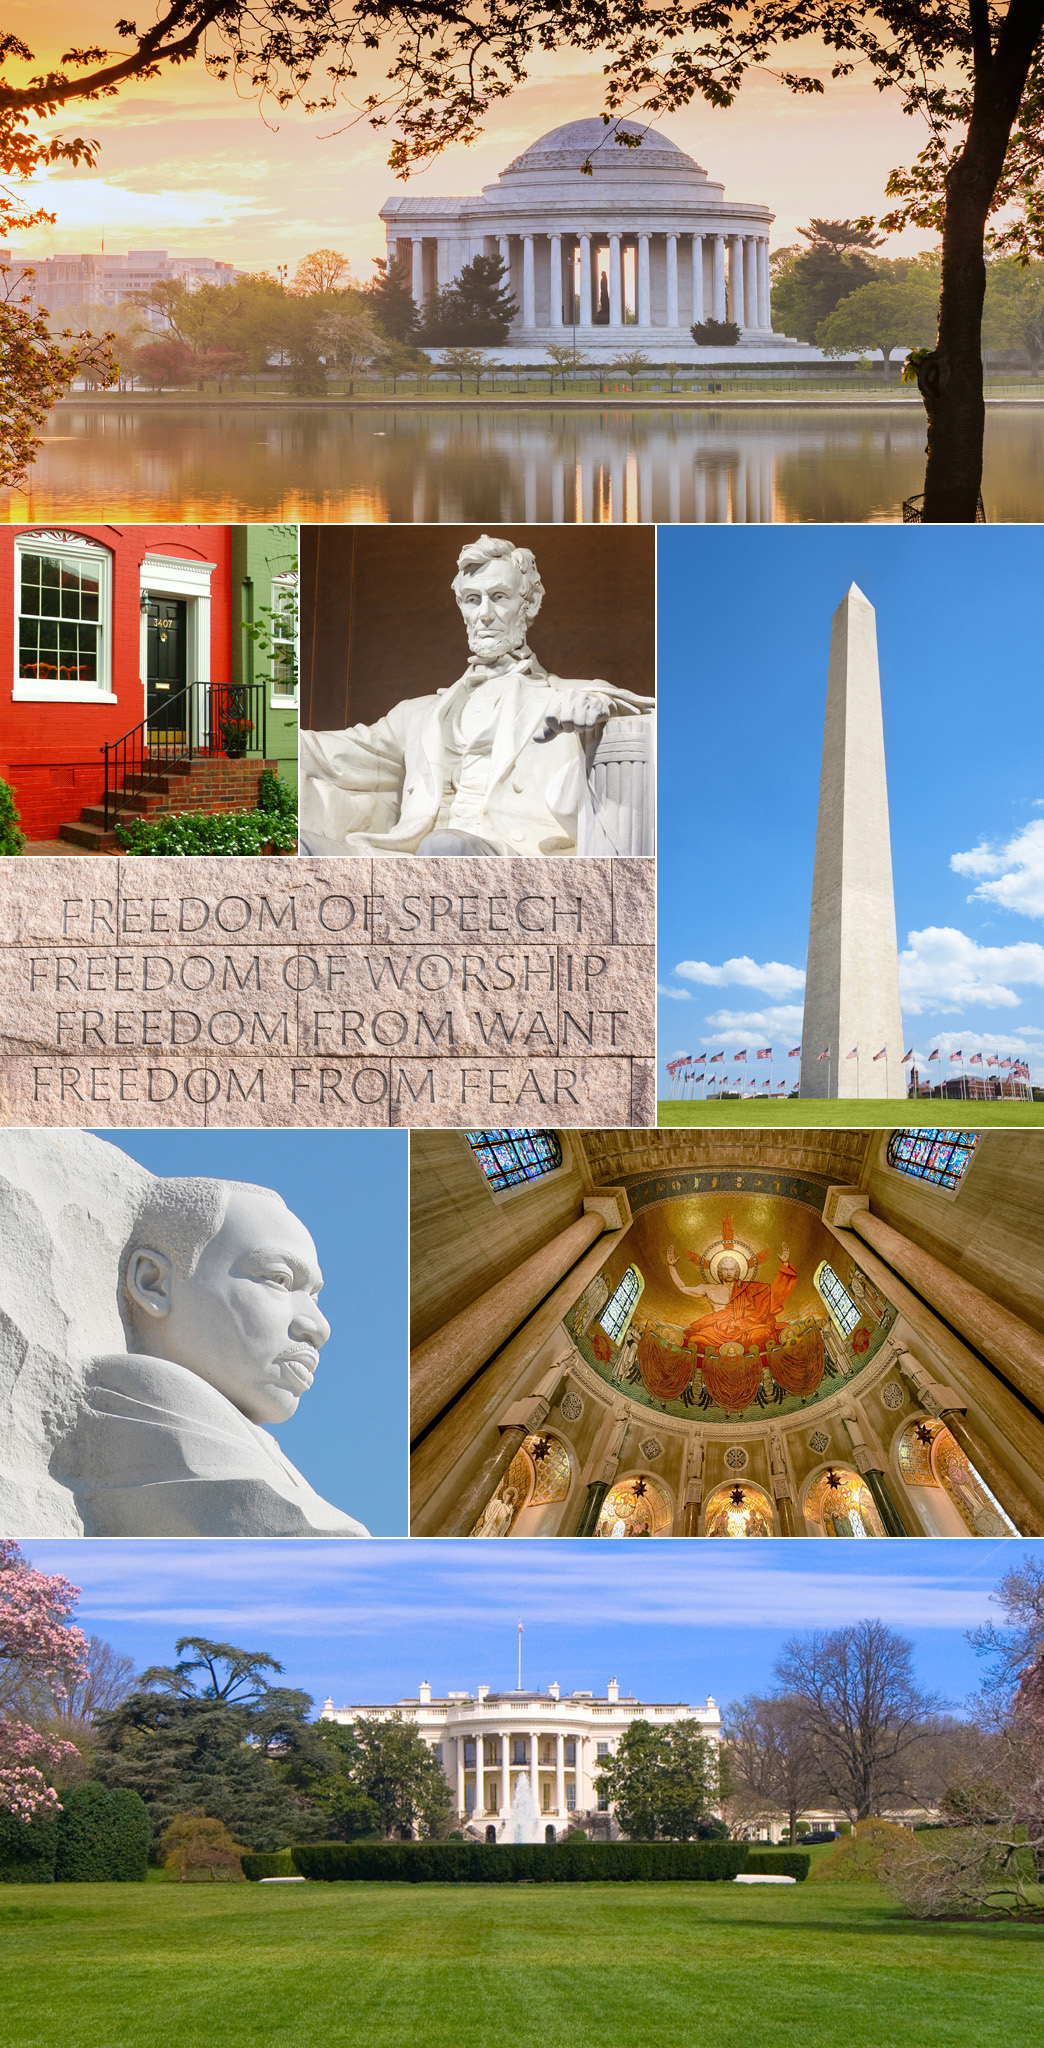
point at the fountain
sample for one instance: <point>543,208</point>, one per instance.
<point>524,1823</point>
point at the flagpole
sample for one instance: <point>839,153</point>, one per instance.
<point>520,1655</point>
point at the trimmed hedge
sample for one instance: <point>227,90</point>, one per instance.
<point>27,1849</point>
<point>268,1863</point>
<point>575,1861</point>
<point>103,1837</point>
<point>779,1863</point>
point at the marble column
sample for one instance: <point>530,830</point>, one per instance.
<point>764,284</point>
<point>672,280</point>
<point>736,308</point>
<point>442,261</point>
<point>750,280</point>
<point>604,1473</point>
<point>1011,1346</point>
<point>697,280</point>
<point>528,282</point>
<point>447,1360</point>
<point>460,1774</point>
<point>505,1775</point>
<point>417,268</point>
<point>464,1514</point>
<point>555,316</point>
<point>948,1406</point>
<point>585,317</point>
<point>560,1798</point>
<point>644,283</point>
<point>615,282</point>
<point>534,1767</point>
<point>718,311</point>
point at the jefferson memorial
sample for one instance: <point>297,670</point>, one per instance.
<point>605,242</point>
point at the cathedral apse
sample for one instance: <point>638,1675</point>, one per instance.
<point>728,1299</point>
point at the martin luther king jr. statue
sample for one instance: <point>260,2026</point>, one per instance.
<point>508,760</point>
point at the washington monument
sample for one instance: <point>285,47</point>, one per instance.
<point>851,1040</point>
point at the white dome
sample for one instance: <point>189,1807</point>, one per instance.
<point>569,147</point>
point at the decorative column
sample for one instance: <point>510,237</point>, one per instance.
<point>616,811</point>
<point>460,1774</point>
<point>950,1409</point>
<point>1011,1346</point>
<point>450,1357</point>
<point>764,285</point>
<point>736,309</point>
<point>417,268</point>
<point>505,1776</point>
<point>465,1513</point>
<point>869,1462</point>
<point>672,280</point>
<point>750,280</point>
<point>442,261</point>
<point>697,280</point>
<point>534,1768</point>
<point>693,1496</point>
<point>719,301</point>
<point>556,281</point>
<point>585,317</point>
<point>605,1473</point>
<point>615,282</point>
<point>560,1798</point>
<point>782,1486</point>
<point>528,282</point>
<point>644,283</point>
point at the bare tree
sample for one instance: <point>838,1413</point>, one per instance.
<point>863,1711</point>
<point>1013,1648</point>
<point>773,1755</point>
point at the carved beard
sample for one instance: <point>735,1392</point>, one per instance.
<point>507,646</point>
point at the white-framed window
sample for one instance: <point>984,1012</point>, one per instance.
<point>63,619</point>
<point>284,634</point>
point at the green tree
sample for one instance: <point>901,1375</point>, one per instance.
<point>351,340</point>
<point>889,313</point>
<point>664,1782</point>
<point>477,307</point>
<point>467,362</point>
<point>560,361</point>
<point>631,364</point>
<point>1013,315</point>
<point>385,1781</point>
<point>12,838</point>
<point>715,333</point>
<point>324,270</point>
<point>389,296</point>
<point>812,284</point>
<point>396,359</point>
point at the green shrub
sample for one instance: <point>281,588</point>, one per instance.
<point>859,1855</point>
<point>574,1861</point>
<point>103,1837</point>
<point>278,797</point>
<point>234,832</point>
<point>12,840</point>
<point>779,1863</point>
<point>27,1849</point>
<point>273,1863</point>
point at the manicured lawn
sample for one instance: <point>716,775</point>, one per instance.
<point>570,1966</point>
<point>849,1115</point>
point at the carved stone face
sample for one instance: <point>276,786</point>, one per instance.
<point>493,605</point>
<point>247,1320</point>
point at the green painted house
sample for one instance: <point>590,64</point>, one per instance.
<point>264,631</point>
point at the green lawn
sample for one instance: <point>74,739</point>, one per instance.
<point>570,1966</point>
<point>976,1116</point>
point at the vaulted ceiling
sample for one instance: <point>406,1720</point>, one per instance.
<point>618,1156</point>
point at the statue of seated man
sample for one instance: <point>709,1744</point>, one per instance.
<point>496,764</point>
<point>219,1286</point>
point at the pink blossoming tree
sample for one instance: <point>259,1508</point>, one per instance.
<point>37,1643</point>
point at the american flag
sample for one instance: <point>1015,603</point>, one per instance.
<point>854,1054</point>
<point>934,1055</point>
<point>716,1056</point>
<point>1004,1063</point>
<point>740,1055</point>
<point>765,1052</point>
<point>991,1059</point>
<point>956,1056</point>
<point>698,1061</point>
<point>823,1055</point>
<point>975,1059</point>
<point>794,1053</point>
<point>908,1056</point>
<point>883,1054</point>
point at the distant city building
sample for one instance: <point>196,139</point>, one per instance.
<point>487,1742</point>
<point>108,280</point>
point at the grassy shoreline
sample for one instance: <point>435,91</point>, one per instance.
<point>806,1114</point>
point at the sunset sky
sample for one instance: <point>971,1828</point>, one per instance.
<point>188,165</point>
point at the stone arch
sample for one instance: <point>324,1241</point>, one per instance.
<point>846,1508</point>
<point>641,1503</point>
<point>739,1508</point>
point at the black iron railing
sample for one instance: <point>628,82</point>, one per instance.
<point>203,721</point>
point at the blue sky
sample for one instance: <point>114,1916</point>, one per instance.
<point>368,1622</point>
<point>743,636</point>
<point>349,1188</point>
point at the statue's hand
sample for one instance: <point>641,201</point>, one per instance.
<point>579,712</point>
<point>784,1253</point>
<point>671,1255</point>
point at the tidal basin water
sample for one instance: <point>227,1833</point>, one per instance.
<point>406,463</point>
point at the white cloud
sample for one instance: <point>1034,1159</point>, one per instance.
<point>942,969</point>
<point>680,995</point>
<point>774,976</point>
<point>785,1019</point>
<point>1017,870</point>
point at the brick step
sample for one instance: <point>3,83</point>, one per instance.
<point>92,837</point>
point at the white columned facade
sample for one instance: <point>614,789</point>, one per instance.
<point>672,280</point>
<point>528,282</point>
<point>697,279</point>
<point>615,282</point>
<point>585,282</point>
<point>736,279</point>
<point>417,268</point>
<point>505,1776</point>
<point>555,310</point>
<point>534,1767</point>
<point>764,285</point>
<point>750,280</point>
<point>644,283</point>
<point>504,246</point>
<point>718,299</point>
<point>460,1773</point>
<point>560,1791</point>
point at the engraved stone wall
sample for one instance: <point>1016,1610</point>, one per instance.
<point>333,991</point>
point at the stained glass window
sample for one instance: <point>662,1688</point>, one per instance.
<point>939,1156</point>
<point>618,1309</point>
<point>510,1158</point>
<point>840,1306</point>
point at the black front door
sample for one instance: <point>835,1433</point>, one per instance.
<point>165,662</point>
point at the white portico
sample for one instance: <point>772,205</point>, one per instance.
<point>626,246</point>
<point>485,1742</point>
